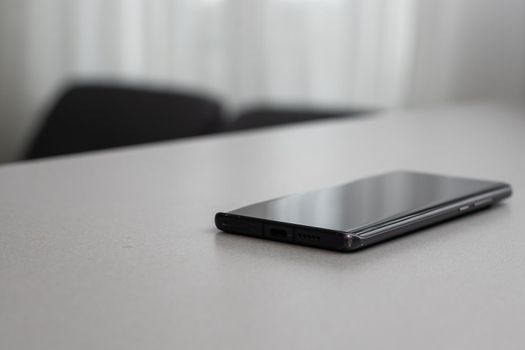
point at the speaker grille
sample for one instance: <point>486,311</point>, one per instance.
<point>308,237</point>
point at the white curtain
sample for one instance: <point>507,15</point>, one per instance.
<point>341,53</point>
<point>306,51</point>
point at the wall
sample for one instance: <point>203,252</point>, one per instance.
<point>469,49</point>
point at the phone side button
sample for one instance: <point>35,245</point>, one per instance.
<point>463,208</point>
<point>483,202</point>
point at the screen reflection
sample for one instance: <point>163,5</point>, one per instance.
<point>360,203</point>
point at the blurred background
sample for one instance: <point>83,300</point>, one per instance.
<point>80,75</point>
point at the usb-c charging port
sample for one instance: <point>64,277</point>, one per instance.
<point>280,233</point>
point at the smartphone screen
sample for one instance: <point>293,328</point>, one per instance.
<point>357,204</point>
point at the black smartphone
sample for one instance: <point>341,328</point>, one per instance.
<point>363,212</point>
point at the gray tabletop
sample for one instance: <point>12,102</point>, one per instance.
<point>117,250</point>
